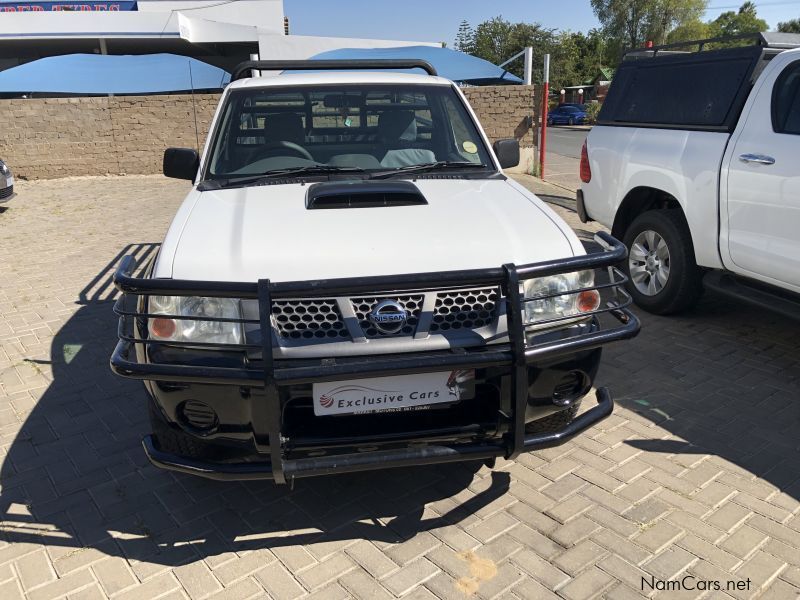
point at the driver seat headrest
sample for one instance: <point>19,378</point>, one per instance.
<point>284,127</point>
<point>397,126</point>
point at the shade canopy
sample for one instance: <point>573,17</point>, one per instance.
<point>108,74</point>
<point>457,66</point>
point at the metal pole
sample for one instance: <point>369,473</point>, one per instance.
<point>254,72</point>
<point>545,94</point>
<point>528,65</point>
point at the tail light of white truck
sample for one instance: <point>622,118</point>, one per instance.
<point>586,170</point>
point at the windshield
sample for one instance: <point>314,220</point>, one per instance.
<point>344,127</point>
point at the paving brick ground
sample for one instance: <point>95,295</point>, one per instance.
<point>695,475</point>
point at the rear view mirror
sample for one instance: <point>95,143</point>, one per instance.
<point>181,163</point>
<point>507,152</point>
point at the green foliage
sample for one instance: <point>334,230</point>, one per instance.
<point>465,38</point>
<point>631,23</point>
<point>592,110</point>
<point>574,56</point>
<point>735,23</point>
<point>689,31</point>
<point>792,26</point>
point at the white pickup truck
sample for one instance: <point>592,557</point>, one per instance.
<point>352,283</point>
<point>695,165</point>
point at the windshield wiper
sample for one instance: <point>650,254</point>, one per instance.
<point>425,167</point>
<point>215,184</point>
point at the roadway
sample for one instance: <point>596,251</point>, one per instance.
<point>566,140</point>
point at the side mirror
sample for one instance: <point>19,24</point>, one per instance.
<point>181,163</point>
<point>507,152</point>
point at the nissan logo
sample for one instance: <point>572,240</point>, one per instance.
<point>388,316</point>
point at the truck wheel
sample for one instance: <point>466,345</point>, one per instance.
<point>175,441</point>
<point>663,276</point>
<point>555,422</point>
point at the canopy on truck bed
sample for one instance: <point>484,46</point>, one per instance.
<point>703,90</point>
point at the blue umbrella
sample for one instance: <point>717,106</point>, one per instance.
<point>110,74</point>
<point>451,64</point>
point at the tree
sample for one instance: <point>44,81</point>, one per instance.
<point>792,26</point>
<point>689,31</point>
<point>497,40</point>
<point>465,38</point>
<point>735,23</point>
<point>633,22</point>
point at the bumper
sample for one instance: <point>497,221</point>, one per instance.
<point>271,381</point>
<point>351,463</point>
<point>581,207</point>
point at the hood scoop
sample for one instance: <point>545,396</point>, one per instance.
<point>363,194</point>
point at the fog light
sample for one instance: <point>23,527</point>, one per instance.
<point>569,388</point>
<point>198,415</point>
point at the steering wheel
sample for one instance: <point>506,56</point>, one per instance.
<point>282,145</point>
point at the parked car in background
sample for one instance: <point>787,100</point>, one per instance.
<point>566,115</point>
<point>702,185</point>
<point>6,183</point>
<point>317,307</point>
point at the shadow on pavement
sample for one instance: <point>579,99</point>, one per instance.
<point>76,477</point>
<point>724,378</point>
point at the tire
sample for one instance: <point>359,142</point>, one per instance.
<point>571,121</point>
<point>555,422</point>
<point>661,282</point>
<point>549,122</point>
<point>175,441</point>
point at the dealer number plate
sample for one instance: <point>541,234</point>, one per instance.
<point>385,394</point>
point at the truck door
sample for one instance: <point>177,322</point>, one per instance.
<point>763,181</point>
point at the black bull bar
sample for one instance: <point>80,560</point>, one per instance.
<point>266,374</point>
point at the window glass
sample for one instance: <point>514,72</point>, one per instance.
<point>370,127</point>
<point>786,101</point>
<point>464,134</point>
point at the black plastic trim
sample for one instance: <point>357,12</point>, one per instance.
<point>381,459</point>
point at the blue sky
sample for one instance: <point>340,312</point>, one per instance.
<point>437,20</point>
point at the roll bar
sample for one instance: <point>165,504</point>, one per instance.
<point>242,70</point>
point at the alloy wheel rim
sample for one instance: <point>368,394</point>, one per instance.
<point>649,263</point>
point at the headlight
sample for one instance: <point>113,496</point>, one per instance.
<point>4,169</point>
<point>558,299</point>
<point>191,330</point>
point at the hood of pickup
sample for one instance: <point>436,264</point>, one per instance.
<point>250,233</point>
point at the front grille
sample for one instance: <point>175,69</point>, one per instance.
<point>6,192</point>
<point>304,322</point>
<point>308,319</point>
<point>464,309</point>
<point>363,306</point>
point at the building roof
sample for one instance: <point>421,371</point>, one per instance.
<point>454,65</point>
<point>106,74</point>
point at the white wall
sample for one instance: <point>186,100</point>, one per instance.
<point>155,18</point>
<point>267,15</point>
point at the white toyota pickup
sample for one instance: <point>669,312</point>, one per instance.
<point>353,283</point>
<point>695,165</point>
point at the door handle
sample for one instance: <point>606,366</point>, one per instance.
<point>760,159</point>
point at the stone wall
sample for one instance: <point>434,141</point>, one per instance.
<point>506,111</point>
<point>57,137</point>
